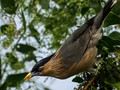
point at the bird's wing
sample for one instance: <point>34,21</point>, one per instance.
<point>74,50</point>
<point>75,46</point>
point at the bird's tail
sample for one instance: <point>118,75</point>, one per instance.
<point>103,13</point>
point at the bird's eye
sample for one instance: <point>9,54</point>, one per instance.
<point>40,68</point>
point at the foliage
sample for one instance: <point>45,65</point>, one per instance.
<point>29,25</point>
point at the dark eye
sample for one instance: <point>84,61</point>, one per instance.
<point>40,68</point>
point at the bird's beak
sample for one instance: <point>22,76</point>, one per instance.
<point>28,76</point>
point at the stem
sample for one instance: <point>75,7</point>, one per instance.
<point>87,86</point>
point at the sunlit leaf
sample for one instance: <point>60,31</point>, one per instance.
<point>7,42</point>
<point>117,85</point>
<point>8,29</point>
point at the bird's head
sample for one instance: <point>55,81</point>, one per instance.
<point>38,67</point>
<point>36,70</point>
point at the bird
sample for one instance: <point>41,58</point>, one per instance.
<point>78,52</point>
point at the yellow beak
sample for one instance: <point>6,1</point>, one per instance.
<point>28,76</point>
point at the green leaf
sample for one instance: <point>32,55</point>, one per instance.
<point>34,33</point>
<point>4,28</point>
<point>12,58</point>
<point>112,19</point>
<point>30,57</point>
<point>17,65</point>
<point>46,88</point>
<point>117,85</point>
<point>24,48</point>
<point>3,86</point>
<point>84,10</point>
<point>24,21</point>
<point>77,79</point>
<point>44,3</point>
<point>14,63</point>
<point>0,69</point>
<point>115,35</point>
<point>14,80</point>
<point>117,49</point>
<point>108,44</point>
<point>116,8</point>
<point>9,6</point>
<point>95,5</point>
<point>110,41</point>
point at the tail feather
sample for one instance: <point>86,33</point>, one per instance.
<point>103,13</point>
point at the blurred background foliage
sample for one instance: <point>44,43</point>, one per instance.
<point>32,29</point>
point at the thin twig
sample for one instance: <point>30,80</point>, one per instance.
<point>86,87</point>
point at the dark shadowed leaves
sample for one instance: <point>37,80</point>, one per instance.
<point>30,57</point>
<point>3,86</point>
<point>116,8</point>
<point>4,28</point>
<point>114,16</point>
<point>24,21</point>
<point>14,80</point>
<point>84,10</point>
<point>110,21</point>
<point>77,80</point>
<point>44,3</point>
<point>34,33</point>
<point>107,44</point>
<point>9,6</point>
<point>115,35</point>
<point>46,88</point>
<point>24,48</point>
<point>95,4</point>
